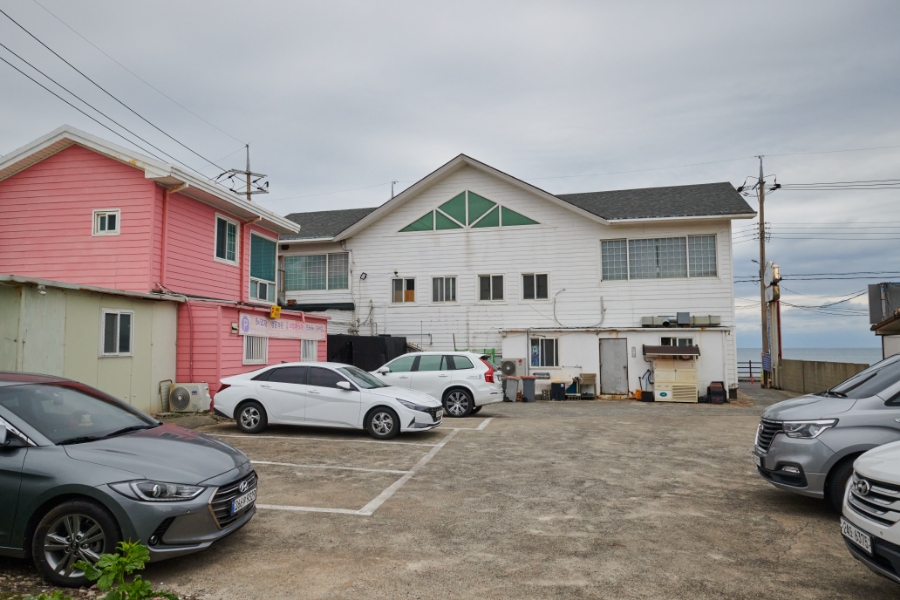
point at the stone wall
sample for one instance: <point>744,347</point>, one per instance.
<point>807,376</point>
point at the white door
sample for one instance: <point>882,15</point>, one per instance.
<point>400,370</point>
<point>613,366</point>
<point>432,375</point>
<point>327,404</point>
<point>283,394</point>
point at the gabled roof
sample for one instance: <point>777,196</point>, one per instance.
<point>682,201</point>
<point>325,223</point>
<point>165,174</point>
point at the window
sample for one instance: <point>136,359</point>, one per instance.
<point>226,239</point>
<point>534,287</point>
<point>106,222</point>
<point>468,210</point>
<point>262,269</point>
<point>702,252</point>
<point>115,333</point>
<point>317,272</point>
<point>324,377</point>
<point>544,352</point>
<point>404,290</point>
<point>432,362</point>
<point>659,258</point>
<point>672,341</point>
<point>443,289</point>
<point>295,375</point>
<point>461,363</point>
<point>256,350</point>
<point>614,259</point>
<point>404,364</point>
<point>490,287</point>
<point>309,350</point>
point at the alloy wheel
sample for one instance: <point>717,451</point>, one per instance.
<point>457,403</point>
<point>382,423</point>
<point>250,417</point>
<point>72,538</point>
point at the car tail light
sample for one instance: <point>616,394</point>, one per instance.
<point>223,387</point>
<point>489,374</point>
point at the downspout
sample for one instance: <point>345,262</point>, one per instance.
<point>164,242</point>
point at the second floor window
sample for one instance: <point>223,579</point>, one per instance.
<point>403,290</point>
<point>443,289</point>
<point>226,239</point>
<point>317,272</point>
<point>106,222</point>
<point>262,268</point>
<point>490,287</point>
<point>534,287</point>
<point>659,258</point>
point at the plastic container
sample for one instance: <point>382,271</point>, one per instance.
<point>528,387</point>
<point>557,390</point>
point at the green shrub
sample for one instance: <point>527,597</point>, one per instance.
<point>111,569</point>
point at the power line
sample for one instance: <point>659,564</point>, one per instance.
<point>144,81</point>
<point>365,187</point>
<point>108,93</point>
<point>713,162</point>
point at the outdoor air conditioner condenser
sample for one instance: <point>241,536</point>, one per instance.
<point>189,397</point>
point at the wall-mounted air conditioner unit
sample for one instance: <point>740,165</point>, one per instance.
<point>189,397</point>
<point>674,382</point>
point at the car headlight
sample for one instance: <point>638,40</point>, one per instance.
<point>807,429</point>
<point>413,405</point>
<point>157,491</point>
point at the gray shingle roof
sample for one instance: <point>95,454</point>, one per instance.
<point>325,223</point>
<point>702,200</point>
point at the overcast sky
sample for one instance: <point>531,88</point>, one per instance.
<point>570,96</point>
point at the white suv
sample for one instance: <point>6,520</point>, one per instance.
<point>463,381</point>
<point>871,522</point>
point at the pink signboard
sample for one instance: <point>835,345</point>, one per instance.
<point>261,326</point>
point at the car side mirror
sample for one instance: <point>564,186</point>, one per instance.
<point>4,436</point>
<point>344,385</point>
<point>383,371</point>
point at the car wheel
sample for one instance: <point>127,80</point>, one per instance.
<point>251,418</point>
<point>476,410</point>
<point>73,531</point>
<point>836,483</point>
<point>383,423</point>
<point>458,403</point>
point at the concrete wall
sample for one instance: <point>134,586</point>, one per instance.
<point>807,376</point>
<point>890,345</point>
<point>58,333</point>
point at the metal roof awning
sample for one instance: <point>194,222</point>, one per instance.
<point>682,352</point>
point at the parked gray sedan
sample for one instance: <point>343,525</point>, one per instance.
<point>80,471</point>
<point>807,445</point>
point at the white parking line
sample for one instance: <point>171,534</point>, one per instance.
<point>281,464</point>
<point>303,439</point>
<point>342,511</point>
<point>484,424</point>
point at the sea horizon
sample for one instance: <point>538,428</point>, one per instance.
<point>843,355</point>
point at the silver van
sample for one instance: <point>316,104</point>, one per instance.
<point>807,445</point>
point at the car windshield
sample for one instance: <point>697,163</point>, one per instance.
<point>870,382</point>
<point>71,413</point>
<point>361,378</point>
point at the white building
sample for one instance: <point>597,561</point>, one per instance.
<point>472,258</point>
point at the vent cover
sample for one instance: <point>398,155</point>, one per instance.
<point>180,399</point>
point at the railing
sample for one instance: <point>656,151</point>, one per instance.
<point>749,370</point>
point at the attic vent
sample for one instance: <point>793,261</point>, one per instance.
<point>468,210</point>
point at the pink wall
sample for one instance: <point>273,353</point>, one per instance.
<point>218,353</point>
<point>47,216</point>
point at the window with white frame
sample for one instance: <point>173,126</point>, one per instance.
<point>702,253</point>
<point>262,268</point>
<point>535,286</point>
<point>317,272</point>
<point>544,352</point>
<point>659,258</point>
<point>309,350</point>
<point>106,222</point>
<point>614,259</point>
<point>403,290</point>
<point>676,341</point>
<point>256,350</point>
<point>116,332</point>
<point>443,289</point>
<point>490,287</point>
<point>226,239</point>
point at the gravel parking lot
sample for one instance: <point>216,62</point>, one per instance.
<point>574,499</point>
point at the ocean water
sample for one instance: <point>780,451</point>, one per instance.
<point>846,355</point>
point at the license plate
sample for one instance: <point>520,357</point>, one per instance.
<point>757,460</point>
<point>243,501</point>
<point>856,535</point>
<point>438,414</point>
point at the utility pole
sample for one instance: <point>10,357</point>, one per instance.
<point>762,268</point>
<point>253,186</point>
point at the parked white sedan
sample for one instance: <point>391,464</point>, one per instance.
<point>463,381</point>
<point>324,395</point>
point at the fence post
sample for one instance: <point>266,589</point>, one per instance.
<point>751,371</point>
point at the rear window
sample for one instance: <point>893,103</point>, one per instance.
<point>461,363</point>
<point>296,375</point>
<point>874,380</point>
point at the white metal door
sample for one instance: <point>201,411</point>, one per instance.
<point>613,366</point>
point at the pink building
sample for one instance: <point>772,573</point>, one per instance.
<point>78,209</point>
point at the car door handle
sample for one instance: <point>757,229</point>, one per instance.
<point>443,376</point>
<point>404,377</point>
<point>264,385</point>
<point>312,391</point>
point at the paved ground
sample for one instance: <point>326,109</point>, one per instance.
<point>549,500</point>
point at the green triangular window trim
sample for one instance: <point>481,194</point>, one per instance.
<point>442,221</point>
<point>455,208</point>
<point>425,223</point>
<point>471,208</point>
<point>490,219</point>
<point>478,206</point>
<point>510,218</point>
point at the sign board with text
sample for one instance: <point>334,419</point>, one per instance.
<point>257,325</point>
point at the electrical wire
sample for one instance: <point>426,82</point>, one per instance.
<point>55,53</point>
<point>141,79</point>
